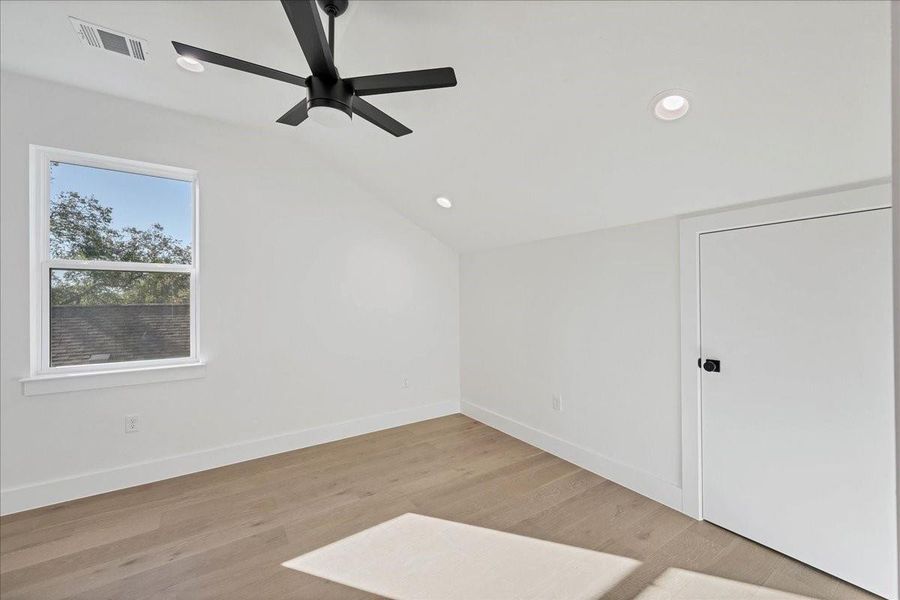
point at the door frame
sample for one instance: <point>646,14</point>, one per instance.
<point>867,195</point>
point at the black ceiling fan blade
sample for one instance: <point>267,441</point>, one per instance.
<point>406,81</point>
<point>304,18</point>
<point>236,63</point>
<point>295,116</point>
<point>379,118</point>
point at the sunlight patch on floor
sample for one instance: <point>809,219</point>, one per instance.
<point>414,556</point>
<point>679,584</point>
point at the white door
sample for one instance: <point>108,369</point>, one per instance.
<point>798,425</point>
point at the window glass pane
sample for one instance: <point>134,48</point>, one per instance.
<point>100,214</point>
<point>117,316</point>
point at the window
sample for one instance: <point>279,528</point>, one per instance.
<point>114,264</point>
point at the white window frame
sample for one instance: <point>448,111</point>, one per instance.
<point>41,264</point>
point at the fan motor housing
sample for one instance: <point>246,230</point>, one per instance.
<point>333,94</point>
<point>334,8</point>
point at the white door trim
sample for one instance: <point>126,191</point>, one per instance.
<point>866,196</point>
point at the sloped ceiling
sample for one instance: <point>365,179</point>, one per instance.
<point>549,131</point>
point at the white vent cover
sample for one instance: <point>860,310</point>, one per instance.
<point>107,39</point>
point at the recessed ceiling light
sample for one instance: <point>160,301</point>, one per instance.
<point>190,64</point>
<point>444,202</point>
<point>670,105</point>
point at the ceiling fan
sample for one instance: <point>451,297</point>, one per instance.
<point>331,99</point>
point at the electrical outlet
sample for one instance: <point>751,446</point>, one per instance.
<point>132,423</point>
<point>404,385</point>
<point>557,402</point>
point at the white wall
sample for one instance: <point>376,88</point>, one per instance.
<point>594,317</point>
<point>316,300</point>
<point>895,163</point>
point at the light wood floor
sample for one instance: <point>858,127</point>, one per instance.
<point>223,533</point>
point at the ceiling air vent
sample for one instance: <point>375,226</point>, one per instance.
<point>107,39</point>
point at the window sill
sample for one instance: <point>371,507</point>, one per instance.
<point>72,382</point>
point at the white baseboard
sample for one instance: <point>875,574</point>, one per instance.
<point>634,479</point>
<point>17,499</point>
<point>45,493</point>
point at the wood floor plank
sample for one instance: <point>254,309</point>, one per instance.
<point>224,533</point>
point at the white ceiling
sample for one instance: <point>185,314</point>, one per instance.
<point>549,131</point>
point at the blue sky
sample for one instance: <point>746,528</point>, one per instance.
<point>136,200</point>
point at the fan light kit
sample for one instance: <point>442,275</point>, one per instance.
<point>329,117</point>
<point>444,202</point>
<point>189,64</point>
<point>330,99</point>
<point>670,105</point>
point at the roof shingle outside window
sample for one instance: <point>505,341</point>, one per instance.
<point>118,333</point>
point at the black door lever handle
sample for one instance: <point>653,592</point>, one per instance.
<point>710,365</point>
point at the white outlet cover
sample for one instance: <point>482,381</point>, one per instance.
<point>557,402</point>
<point>132,423</point>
